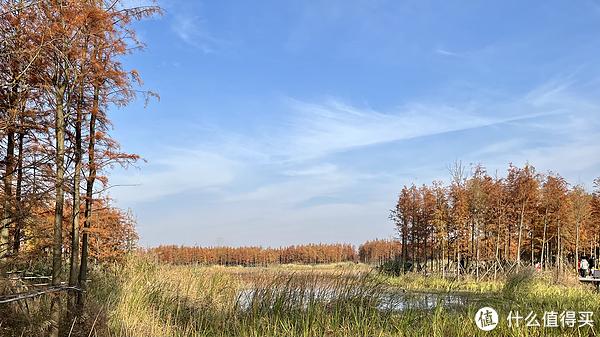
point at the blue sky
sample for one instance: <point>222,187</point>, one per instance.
<point>284,122</point>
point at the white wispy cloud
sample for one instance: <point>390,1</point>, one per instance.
<point>323,169</point>
<point>446,52</point>
<point>318,130</point>
<point>178,171</point>
<point>301,185</point>
<point>191,30</point>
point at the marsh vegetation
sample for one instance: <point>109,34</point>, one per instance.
<point>144,298</point>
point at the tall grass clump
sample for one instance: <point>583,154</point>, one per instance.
<point>311,305</point>
<point>518,283</point>
<point>146,299</point>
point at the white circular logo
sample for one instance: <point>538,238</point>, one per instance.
<point>486,318</point>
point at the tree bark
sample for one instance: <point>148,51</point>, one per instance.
<point>89,191</point>
<point>542,261</point>
<point>18,197</point>
<point>518,258</point>
<point>577,240</point>
<point>59,120</point>
<point>74,272</point>
<point>497,262</point>
<point>6,203</point>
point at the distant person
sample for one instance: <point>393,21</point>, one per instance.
<point>585,266</point>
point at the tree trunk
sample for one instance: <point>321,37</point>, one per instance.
<point>89,191</point>
<point>472,245</point>
<point>476,247</point>
<point>531,244</point>
<point>404,247</point>
<point>74,273</point>
<point>508,243</point>
<point>458,267</point>
<point>477,258</point>
<point>497,252</point>
<point>6,204</point>
<point>443,262</point>
<point>558,249</point>
<point>520,236</point>
<point>518,258</point>
<point>74,260</point>
<point>542,261</point>
<point>59,203</point>
<point>577,241</point>
<point>18,204</point>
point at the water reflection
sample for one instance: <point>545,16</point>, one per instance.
<point>400,301</point>
<point>389,300</point>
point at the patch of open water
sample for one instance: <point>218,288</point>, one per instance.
<point>388,300</point>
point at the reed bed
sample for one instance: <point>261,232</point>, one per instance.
<point>142,298</point>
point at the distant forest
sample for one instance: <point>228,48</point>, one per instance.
<point>376,251</point>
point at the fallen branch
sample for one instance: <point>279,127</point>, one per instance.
<point>25,295</point>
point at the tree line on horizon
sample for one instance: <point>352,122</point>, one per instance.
<point>60,71</point>
<point>478,220</point>
<point>473,223</point>
<point>372,252</point>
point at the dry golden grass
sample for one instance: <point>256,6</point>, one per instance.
<point>142,298</point>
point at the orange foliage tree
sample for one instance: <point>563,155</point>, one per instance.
<point>479,221</point>
<point>379,251</point>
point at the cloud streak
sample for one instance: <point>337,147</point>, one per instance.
<point>445,52</point>
<point>318,130</point>
<point>299,150</point>
<point>179,171</point>
<point>190,26</point>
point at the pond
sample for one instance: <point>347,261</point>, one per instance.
<point>393,300</point>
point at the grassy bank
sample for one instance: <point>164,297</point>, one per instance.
<point>142,298</point>
<point>419,282</point>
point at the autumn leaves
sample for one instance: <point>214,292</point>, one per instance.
<point>60,72</point>
<point>524,217</point>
